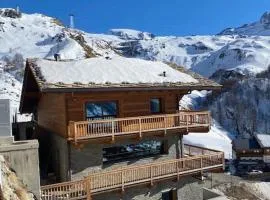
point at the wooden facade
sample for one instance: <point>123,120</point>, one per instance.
<point>56,110</point>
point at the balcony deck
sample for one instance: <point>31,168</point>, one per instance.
<point>198,160</point>
<point>183,121</point>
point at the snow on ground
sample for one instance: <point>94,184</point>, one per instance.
<point>35,35</point>
<point>263,188</point>
<point>112,70</point>
<point>217,138</point>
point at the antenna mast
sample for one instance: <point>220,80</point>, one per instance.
<point>71,21</point>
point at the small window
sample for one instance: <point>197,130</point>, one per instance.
<point>155,105</point>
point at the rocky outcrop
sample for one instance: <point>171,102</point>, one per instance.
<point>265,19</point>
<point>7,12</point>
<point>12,188</point>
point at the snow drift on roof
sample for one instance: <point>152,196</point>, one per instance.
<point>263,140</point>
<point>114,70</point>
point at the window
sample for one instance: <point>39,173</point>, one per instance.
<point>170,195</point>
<point>155,105</point>
<point>133,151</point>
<point>101,110</point>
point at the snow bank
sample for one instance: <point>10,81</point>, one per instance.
<point>217,138</point>
<point>113,70</point>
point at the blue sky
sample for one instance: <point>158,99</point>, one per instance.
<point>161,17</point>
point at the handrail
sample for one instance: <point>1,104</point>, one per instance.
<point>131,175</point>
<point>141,124</point>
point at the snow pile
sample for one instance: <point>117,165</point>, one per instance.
<point>111,70</point>
<point>217,138</point>
<point>262,188</point>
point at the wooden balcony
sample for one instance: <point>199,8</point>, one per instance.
<point>183,121</point>
<point>100,182</point>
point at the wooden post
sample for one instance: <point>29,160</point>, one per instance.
<point>140,125</point>
<point>75,132</point>
<point>88,188</point>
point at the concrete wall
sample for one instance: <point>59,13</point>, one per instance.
<point>23,158</point>
<point>60,157</point>
<point>5,118</point>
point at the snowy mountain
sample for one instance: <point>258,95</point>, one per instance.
<point>261,27</point>
<point>233,57</point>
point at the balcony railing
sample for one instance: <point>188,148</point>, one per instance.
<point>137,174</point>
<point>186,120</point>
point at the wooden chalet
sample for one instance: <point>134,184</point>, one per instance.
<point>253,149</point>
<point>88,111</point>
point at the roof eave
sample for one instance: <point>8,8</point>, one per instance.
<point>106,89</point>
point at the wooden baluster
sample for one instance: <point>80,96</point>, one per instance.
<point>151,175</point>
<point>113,131</point>
<point>165,125</point>
<point>75,133</point>
<point>140,127</point>
<point>123,180</point>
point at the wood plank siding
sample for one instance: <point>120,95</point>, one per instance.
<point>52,113</point>
<point>130,104</point>
<point>56,110</point>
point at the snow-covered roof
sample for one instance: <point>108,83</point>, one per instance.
<point>113,72</point>
<point>263,140</point>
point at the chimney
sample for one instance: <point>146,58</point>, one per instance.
<point>164,74</point>
<point>71,21</point>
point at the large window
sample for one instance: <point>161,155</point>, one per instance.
<point>155,105</point>
<point>134,151</point>
<point>101,110</point>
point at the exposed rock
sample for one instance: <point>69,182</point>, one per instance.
<point>265,19</point>
<point>12,187</point>
<point>128,34</point>
<point>12,13</point>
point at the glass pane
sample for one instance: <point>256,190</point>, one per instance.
<point>155,105</point>
<point>93,110</point>
<point>109,108</point>
<point>101,110</point>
